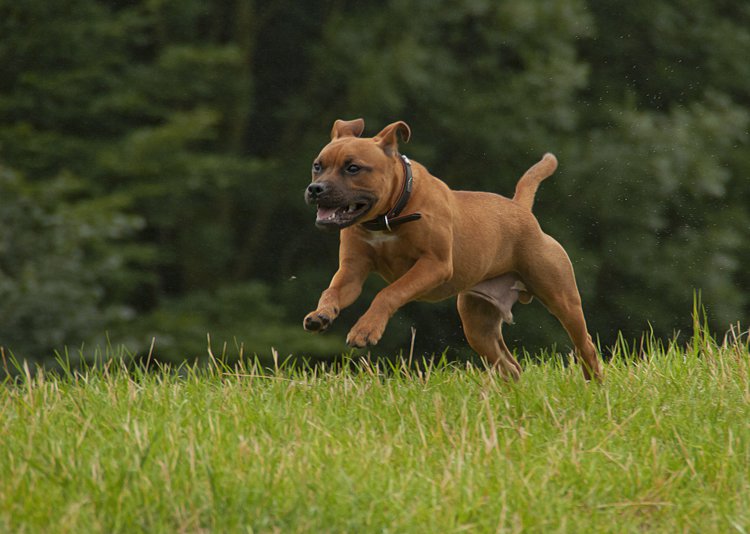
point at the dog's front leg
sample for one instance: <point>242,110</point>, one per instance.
<point>426,274</point>
<point>344,289</point>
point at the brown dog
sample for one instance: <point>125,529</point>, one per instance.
<point>487,249</point>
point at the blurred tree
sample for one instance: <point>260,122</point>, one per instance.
<point>667,123</point>
<point>61,263</point>
<point>195,122</point>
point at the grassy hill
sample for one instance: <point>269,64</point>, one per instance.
<point>663,445</point>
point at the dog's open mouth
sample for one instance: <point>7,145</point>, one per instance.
<point>341,216</point>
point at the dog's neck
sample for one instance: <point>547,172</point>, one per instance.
<point>393,218</point>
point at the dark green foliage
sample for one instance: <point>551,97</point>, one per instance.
<point>63,264</point>
<point>179,136</point>
<point>237,320</point>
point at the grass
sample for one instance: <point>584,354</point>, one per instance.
<point>662,446</point>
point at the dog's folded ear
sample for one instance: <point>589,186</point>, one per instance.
<point>347,128</point>
<point>388,137</point>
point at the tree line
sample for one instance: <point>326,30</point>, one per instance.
<point>153,156</point>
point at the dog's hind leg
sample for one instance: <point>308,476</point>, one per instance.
<point>482,322</point>
<point>549,275</point>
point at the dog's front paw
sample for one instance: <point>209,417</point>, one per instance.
<point>366,332</point>
<point>319,320</point>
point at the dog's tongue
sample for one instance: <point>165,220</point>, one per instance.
<point>325,213</point>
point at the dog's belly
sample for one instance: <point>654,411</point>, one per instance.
<point>441,292</point>
<point>391,270</point>
<point>469,268</point>
<point>392,267</point>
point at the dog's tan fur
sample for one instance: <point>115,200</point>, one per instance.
<point>487,249</point>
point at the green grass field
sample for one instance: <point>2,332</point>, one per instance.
<point>662,446</point>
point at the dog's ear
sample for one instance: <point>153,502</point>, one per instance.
<point>387,139</point>
<point>347,128</point>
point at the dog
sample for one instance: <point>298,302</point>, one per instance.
<point>431,243</point>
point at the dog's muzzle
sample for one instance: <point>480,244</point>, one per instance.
<point>337,209</point>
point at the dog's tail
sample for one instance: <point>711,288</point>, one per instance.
<point>529,182</point>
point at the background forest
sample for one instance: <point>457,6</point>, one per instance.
<point>153,156</point>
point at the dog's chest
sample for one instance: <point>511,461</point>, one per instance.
<point>390,261</point>
<point>377,240</point>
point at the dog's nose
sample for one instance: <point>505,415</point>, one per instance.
<point>315,190</point>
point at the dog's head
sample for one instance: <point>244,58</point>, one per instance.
<point>354,178</point>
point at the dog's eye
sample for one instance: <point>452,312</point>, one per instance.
<point>317,167</point>
<point>353,169</point>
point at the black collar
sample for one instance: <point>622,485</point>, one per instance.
<point>388,221</point>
